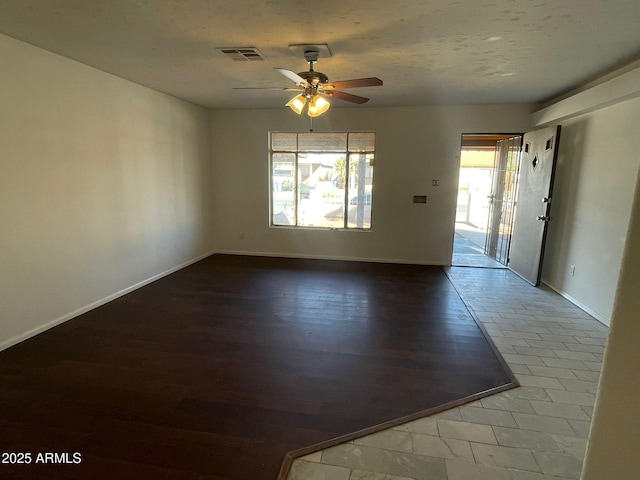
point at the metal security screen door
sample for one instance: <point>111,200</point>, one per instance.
<point>503,197</point>
<point>533,205</point>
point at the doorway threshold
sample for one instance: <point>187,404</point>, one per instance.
<point>468,248</point>
<point>471,260</point>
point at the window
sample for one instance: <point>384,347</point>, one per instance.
<point>322,179</point>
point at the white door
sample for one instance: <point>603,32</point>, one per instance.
<point>533,204</point>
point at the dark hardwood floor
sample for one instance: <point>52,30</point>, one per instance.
<point>220,369</point>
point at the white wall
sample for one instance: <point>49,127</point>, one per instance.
<point>414,146</point>
<point>612,450</point>
<point>599,157</point>
<point>103,185</point>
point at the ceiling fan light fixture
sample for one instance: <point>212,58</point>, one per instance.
<point>317,106</point>
<point>297,103</point>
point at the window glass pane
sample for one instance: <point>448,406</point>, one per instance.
<point>321,193</point>
<point>322,180</point>
<point>286,142</point>
<point>322,142</point>
<point>362,142</point>
<point>283,189</point>
<point>360,190</point>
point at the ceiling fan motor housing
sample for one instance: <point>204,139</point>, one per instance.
<point>314,78</point>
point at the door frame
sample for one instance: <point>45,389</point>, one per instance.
<point>480,140</point>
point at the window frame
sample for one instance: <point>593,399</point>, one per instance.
<point>371,155</point>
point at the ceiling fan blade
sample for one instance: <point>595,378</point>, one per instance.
<point>347,97</point>
<point>355,83</point>
<point>293,76</point>
<point>285,89</point>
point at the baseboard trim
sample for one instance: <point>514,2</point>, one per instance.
<point>331,257</point>
<point>581,306</point>
<point>35,331</point>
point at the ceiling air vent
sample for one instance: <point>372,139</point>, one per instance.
<point>242,54</point>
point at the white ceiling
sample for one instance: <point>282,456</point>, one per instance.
<point>427,52</point>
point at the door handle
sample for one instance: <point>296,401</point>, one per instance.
<point>544,218</point>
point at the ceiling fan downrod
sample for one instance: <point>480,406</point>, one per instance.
<point>311,56</point>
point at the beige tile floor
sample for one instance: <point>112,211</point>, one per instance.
<point>537,431</point>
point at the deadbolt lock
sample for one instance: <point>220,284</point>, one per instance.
<point>544,218</point>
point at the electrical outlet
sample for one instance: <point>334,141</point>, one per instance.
<point>572,270</point>
<point>241,236</point>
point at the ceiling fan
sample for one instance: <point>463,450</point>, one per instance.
<point>315,88</point>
